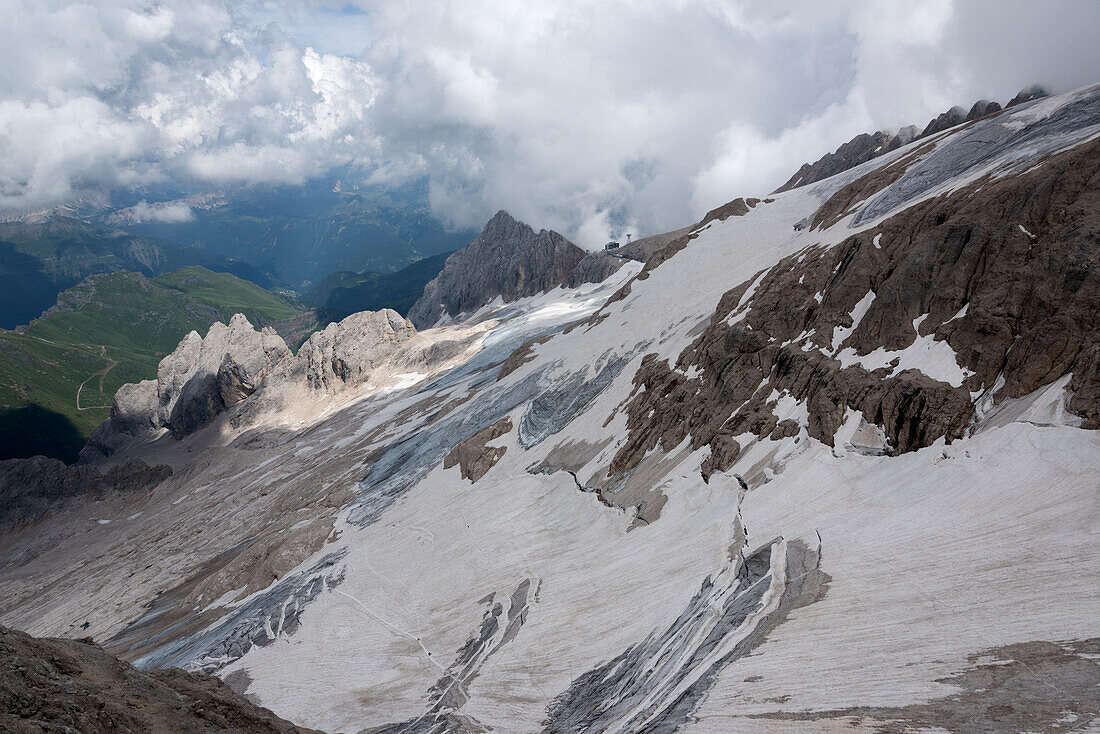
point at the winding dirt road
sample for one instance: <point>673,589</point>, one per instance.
<point>111,364</point>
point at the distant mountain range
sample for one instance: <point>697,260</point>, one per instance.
<point>298,235</point>
<point>289,238</point>
<point>40,258</point>
<point>97,294</point>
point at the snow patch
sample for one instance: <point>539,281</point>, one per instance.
<point>934,358</point>
<point>840,333</point>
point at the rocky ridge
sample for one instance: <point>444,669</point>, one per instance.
<point>597,267</point>
<point>199,380</point>
<point>508,259</point>
<point>31,488</point>
<point>1001,271</point>
<point>866,146</point>
<point>238,370</point>
<point>345,352</point>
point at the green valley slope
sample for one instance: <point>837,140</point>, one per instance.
<point>58,374</point>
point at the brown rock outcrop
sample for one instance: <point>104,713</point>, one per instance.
<point>520,356</point>
<point>1004,270</point>
<point>473,456</point>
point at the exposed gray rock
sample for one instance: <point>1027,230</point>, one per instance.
<point>1027,94</point>
<point>346,352</point>
<point>31,488</point>
<point>508,259</point>
<point>954,116</point>
<point>595,267</point>
<point>646,247</point>
<point>134,409</point>
<point>203,377</point>
<point>904,136</point>
<point>859,149</point>
<point>982,108</point>
<point>200,379</point>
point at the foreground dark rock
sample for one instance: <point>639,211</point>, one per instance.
<point>508,259</point>
<point>51,685</point>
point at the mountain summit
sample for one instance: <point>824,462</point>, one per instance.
<point>508,259</point>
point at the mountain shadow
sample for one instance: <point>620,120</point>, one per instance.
<point>343,293</point>
<point>25,289</point>
<point>32,430</point>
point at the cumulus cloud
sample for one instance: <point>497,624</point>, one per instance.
<point>594,118</point>
<point>121,93</point>
<point>169,211</point>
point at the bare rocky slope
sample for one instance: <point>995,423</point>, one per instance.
<point>74,686</point>
<point>849,429</point>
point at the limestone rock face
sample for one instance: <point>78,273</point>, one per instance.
<point>345,352</point>
<point>508,259</point>
<point>200,379</point>
<point>595,267</point>
<point>203,377</point>
<point>135,407</point>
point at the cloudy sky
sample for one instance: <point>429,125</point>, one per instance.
<point>587,117</point>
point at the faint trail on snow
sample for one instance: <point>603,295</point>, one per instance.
<point>394,629</point>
